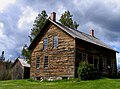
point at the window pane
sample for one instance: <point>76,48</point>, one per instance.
<point>84,57</point>
<point>90,59</point>
<point>45,43</point>
<point>46,62</point>
<point>38,62</point>
<point>55,41</point>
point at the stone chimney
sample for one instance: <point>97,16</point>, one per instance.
<point>53,16</point>
<point>92,32</point>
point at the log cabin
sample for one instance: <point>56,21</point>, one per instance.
<point>57,51</point>
<point>20,69</point>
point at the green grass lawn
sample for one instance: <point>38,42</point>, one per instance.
<point>71,84</point>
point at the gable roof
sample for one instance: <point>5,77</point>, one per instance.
<point>74,33</point>
<point>22,61</point>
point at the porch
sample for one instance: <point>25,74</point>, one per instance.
<point>102,65</point>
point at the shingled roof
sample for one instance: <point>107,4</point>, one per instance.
<point>75,34</point>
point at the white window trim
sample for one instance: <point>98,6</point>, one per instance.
<point>55,42</point>
<point>44,43</point>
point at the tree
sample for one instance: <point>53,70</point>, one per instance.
<point>66,19</point>
<point>37,26</point>
<point>26,53</point>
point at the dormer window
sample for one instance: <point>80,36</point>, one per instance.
<point>45,44</point>
<point>55,41</point>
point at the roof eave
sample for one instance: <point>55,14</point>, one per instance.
<point>32,45</point>
<point>97,45</point>
<point>35,39</point>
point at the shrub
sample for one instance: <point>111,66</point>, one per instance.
<point>85,71</point>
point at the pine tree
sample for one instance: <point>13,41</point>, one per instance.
<point>66,19</point>
<point>39,22</point>
<point>26,53</point>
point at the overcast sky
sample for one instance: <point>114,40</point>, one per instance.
<point>17,17</point>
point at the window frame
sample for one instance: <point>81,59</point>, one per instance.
<point>46,63</point>
<point>55,41</point>
<point>45,43</point>
<point>37,62</point>
<point>84,56</point>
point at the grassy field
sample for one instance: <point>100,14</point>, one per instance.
<point>71,84</point>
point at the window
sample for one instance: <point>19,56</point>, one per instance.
<point>45,43</point>
<point>46,62</point>
<point>55,41</point>
<point>84,57</point>
<point>90,59</point>
<point>38,78</point>
<point>38,62</point>
<point>96,62</point>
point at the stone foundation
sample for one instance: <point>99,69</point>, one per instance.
<point>50,78</point>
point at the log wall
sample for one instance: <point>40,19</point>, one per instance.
<point>60,60</point>
<point>103,56</point>
<point>17,71</point>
